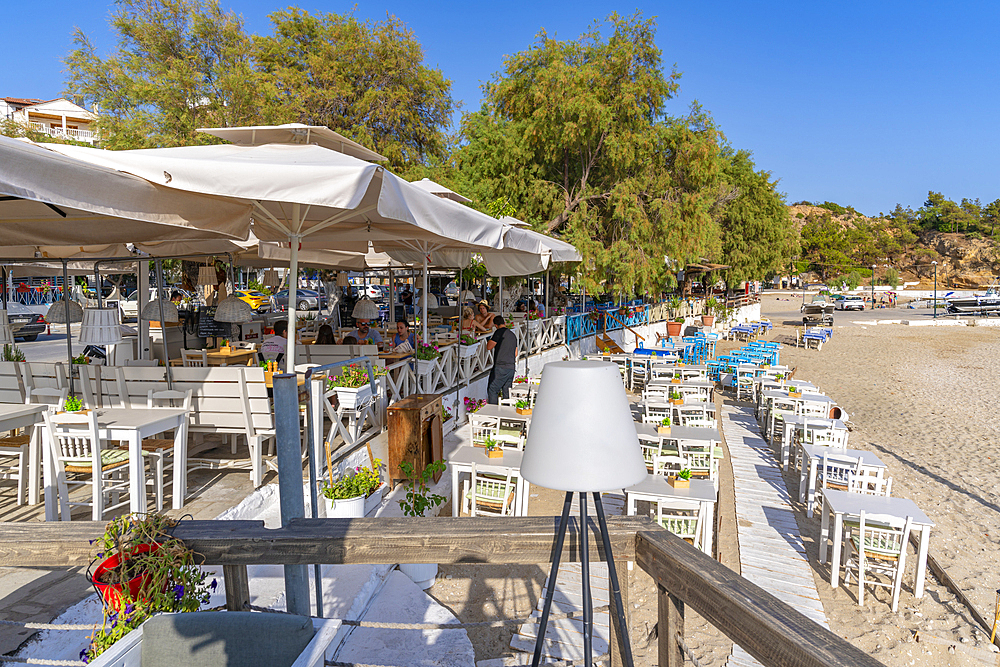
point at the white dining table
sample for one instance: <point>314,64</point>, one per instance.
<point>843,504</point>
<point>812,455</point>
<point>19,415</point>
<point>701,493</point>
<point>793,423</point>
<point>131,425</point>
<point>463,459</point>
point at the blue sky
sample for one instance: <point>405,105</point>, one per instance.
<point>865,104</point>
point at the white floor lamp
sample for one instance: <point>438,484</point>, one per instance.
<point>583,439</point>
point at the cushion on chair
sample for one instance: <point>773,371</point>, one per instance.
<point>110,458</point>
<point>231,638</point>
<point>15,440</point>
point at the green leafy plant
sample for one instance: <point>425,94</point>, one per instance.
<point>427,352</point>
<point>792,390</point>
<point>711,305</point>
<point>12,353</point>
<point>676,396</point>
<point>779,376</point>
<point>445,413</point>
<point>679,319</point>
<point>490,443</point>
<point>418,498</point>
<point>684,474</point>
<point>521,379</point>
<point>353,377</point>
<point>171,581</point>
<point>468,340</point>
<point>473,404</point>
<point>73,404</point>
<point>361,481</point>
<point>665,421</point>
<point>81,359</point>
<point>522,404</point>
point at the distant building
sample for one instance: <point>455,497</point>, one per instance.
<point>56,118</point>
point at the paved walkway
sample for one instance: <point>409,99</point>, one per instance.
<point>772,554</point>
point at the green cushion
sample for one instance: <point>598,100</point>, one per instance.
<point>108,457</point>
<point>230,639</point>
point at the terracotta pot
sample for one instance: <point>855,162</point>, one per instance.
<point>674,328</point>
<point>708,320</point>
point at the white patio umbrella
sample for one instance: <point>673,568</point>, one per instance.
<point>293,133</point>
<point>310,197</point>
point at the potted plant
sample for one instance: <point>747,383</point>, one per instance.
<point>81,359</point>
<point>416,501</point>
<point>225,348</point>
<point>682,480</point>
<point>353,386</point>
<point>663,427</point>
<point>794,393</point>
<point>73,404</point>
<point>493,448</point>
<point>675,326</point>
<point>779,376</point>
<point>523,407</point>
<point>469,347</point>
<point>521,379</point>
<point>473,404</point>
<point>676,379</point>
<point>708,318</point>
<point>12,353</point>
<point>427,356</point>
<point>140,569</point>
<point>676,398</point>
<point>354,494</point>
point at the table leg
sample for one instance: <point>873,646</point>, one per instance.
<point>838,534</point>
<point>526,493</point>
<point>180,464</point>
<point>811,488</point>
<point>708,526</point>
<point>456,496</point>
<point>803,475</point>
<point>137,477</point>
<point>921,573</point>
<point>51,487</point>
<point>630,504</point>
<point>824,531</point>
<point>34,464</point>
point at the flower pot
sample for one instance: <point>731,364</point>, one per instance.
<point>708,320</point>
<point>225,350</point>
<point>663,430</point>
<point>352,397</point>
<point>425,366</point>
<point>422,574</point>
<point>467,351</point>
<point>679,483</point>
<point>523,411</point>
<point>375,499</point>
<point>74,412</point>
<point>346,508</point>
<point>112,593</point>
<point>674,328</point>
<point>496,453</point>
<point>675,381</point>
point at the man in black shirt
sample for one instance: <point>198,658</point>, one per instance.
<point>504,346</point>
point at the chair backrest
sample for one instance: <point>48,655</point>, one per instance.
<point>147,363</point>
<point>882,535</point>
<point>243,345</point>
<point>700,463</point>
<point>656,412</point>
<point>685,524</point>
<point>483,428</point>
<point>56,398</point>
<point>493,491</point>
<point>838,468</point>
<point>169,398</point>
<point>194,358</point>
<point>698,422</point>
<point>74,436</point>
<point>668,465</point>
<point>870,482</point>
<point>39,374</point>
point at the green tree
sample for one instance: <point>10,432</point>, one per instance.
<point>366,80</point>
<point>757,234</point>
<point>575,136</point>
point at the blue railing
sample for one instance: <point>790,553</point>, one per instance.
<point>580,326</point>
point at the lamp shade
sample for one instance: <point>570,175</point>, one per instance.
<point>100,327</point>
<point>342,280</point>
<point>207,277</point>
<point>6,335</point>
<point>151,312</point>
<point>271,278</point>
<point>233,309</point>
<point>582,435</point>
<point>61,313</point>
<point>365,309</point>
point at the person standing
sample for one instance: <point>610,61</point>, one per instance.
<point>503,342</point>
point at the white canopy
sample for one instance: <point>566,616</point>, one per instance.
<point>293,133</point>
<point>51,199</point>
<point>434,188</point>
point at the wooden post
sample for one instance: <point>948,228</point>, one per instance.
<point>621,567</point>
<point>670,625</point>
<point>237,587</point>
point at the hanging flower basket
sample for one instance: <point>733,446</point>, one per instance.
<point>352,397</point>
<point>469,350</point>
<point>425,366</point>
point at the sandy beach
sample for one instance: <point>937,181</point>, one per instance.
<point>921,399</point>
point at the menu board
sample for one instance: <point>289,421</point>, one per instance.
<point>208,327</point>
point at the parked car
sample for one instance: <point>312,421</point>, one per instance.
<point>305,299</point>
<point>259,301</point>
<point>849,302</point>
<point>130,304</point>
<point>24,323</point>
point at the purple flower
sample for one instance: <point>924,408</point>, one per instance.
<point>179,591</point>
<point>83,655</point>
<point>129,609</point>
<point>214,584</point>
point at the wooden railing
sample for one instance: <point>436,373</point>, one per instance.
<point>767,628</point>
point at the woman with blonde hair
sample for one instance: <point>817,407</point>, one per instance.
<point>468,320</point>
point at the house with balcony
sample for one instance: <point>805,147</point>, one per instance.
<point>56,118</point>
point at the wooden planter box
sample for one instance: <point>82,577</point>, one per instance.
<point>663,430</point>
<point>523,411</point>
<point>494,453</point>
<point>679,483</point>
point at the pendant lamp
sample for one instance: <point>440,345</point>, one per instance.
<point>233,309</point>
<point>151,311</point>
<point>207,277</point>
<point>365,309</point>
<point>342,280</point>
<point>271,278</point>
<point>63,312</point>
<point>100,327</point>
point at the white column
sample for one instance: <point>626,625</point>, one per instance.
<point>142,297</point>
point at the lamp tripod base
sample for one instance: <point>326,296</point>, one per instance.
<point>617,611</point>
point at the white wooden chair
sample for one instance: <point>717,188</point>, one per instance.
<point>490,491</point>
<point>194,358</point>
<point>14,448</point>
<point>666,465</point>
<point>869,481</point>
<point>835,472</point>
<point>701,463</point>
<point>243,345</point>
<point>876,544</point>
<point>76,448</point>
<point>655,413</point>
<point>685,524</point>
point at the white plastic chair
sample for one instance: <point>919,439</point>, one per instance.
<point>194,358</point>
<point>877,545</point>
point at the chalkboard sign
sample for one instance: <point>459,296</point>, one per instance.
<point>208,327</point>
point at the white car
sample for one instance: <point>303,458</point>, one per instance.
<point>851,302</point>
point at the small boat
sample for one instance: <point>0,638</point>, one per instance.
<point>983,304</point>
<point>819,311</point>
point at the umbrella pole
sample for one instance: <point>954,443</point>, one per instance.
<point>547,313</point>
<point>69,339</point>
<point>160,294</point>
<point>392,300</point>
<point>423,317</point>
<point>293,283</point>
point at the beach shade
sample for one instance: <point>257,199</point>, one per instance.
<point>311,198</point>
<point>293,133</point>
<point>51,199</point>
<point>583,439</point>
<point>439,190</point>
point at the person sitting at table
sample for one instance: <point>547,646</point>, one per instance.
<point>365,335</point>
<point>404,340</point>
<point>535,309</point>
<point>484,318</point>
<point>349,340</point>
<point>274,347</point>
<point>325,335</point>
<point>468,320</point>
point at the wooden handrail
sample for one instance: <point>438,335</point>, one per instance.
<point>767,628</point>
<point>634,332</point>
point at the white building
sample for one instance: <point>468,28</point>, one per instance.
<point>56,118</point>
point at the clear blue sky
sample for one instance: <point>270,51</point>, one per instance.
<point>865,104</point>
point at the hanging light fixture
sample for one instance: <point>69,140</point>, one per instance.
<point>207,277</point>
<point>151,311</point>
<point>100,327</point>
<point>64,312</point>
<point>365,309</point>
<point>271,278</point>
<point>342,280</point>
<point>6,335</point>
<point>233,309</point>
